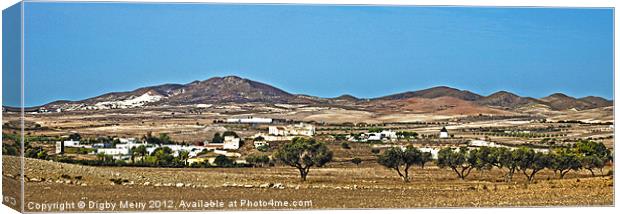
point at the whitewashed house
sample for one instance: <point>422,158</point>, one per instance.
<point>383,135</point>
<point>230,143</point>
<point>443,133</point>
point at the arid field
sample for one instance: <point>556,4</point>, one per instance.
<point>335,186</point>
<point>339,184</point>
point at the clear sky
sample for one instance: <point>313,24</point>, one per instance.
<point>79,50</point>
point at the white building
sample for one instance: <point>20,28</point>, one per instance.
<point>301,129</point>
<point>130,145</point>
<point>127,140</point>
<point>443,133</point>
<point>117,152</point>
<point>61,145</point>
<point>375,136</point>
<point>230,143</point>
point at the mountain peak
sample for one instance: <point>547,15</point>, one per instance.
<point>502,93</point>
<point>346,97</point>
<point>558,95</point>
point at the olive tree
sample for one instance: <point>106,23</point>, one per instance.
<point>504,158</point>
<point>593,155</point>
<point>304,153</point>
<point>531,162</point>
<point>563,160</point>
<point>592,162</point>
<point>401,160</point>
<point>425,158</point>
<point>482,158</point>
<point>461,161</point>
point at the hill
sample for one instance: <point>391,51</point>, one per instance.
<point>435,92</point>
<point>506,100</point>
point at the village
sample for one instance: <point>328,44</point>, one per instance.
<point>228,145</point>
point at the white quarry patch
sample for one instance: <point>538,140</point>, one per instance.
<point>130,103</point>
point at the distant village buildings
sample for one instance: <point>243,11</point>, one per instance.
<point>286,132</point>
<point>383,135</point>
<point>123,150</point>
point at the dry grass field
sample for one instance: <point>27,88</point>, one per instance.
<point>339,185</point>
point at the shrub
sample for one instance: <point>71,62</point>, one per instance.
<point>356,161</point>
<point>223,161</point>
<point>375,151</point>
<point>258,160</point>
<point>345,145</point>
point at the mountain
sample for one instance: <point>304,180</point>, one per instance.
<point>214,90</point>
<point>233,89</point>
<point>435,92</point>
<point>230,89</point>
<point>506,100</point>
<point>559,101</point>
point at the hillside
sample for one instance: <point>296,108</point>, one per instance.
<point>441,106</point>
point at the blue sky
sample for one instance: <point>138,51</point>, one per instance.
<point>79,50</point>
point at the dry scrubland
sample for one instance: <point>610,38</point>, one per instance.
<point>340,184</point>
<point>366,186</point>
